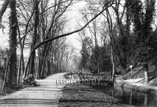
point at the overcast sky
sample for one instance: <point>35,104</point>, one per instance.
<point>75,18</point>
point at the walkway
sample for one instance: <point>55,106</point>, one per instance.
<point>45,95</point>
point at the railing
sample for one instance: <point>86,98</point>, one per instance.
<point>104,79</point>
<point>106,76</point>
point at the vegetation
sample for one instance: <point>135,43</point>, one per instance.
<point>124,35</point>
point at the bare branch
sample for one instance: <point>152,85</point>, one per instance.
<point>67,34</point>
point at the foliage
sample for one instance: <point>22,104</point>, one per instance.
<point>96,58</point>
<point>143,30</point>
<point>130,31</point>
<point>100,60</point>
<point>85,52</point>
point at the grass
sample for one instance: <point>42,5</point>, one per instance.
<point>79,95</point>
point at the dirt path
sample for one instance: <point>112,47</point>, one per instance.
<point>49,94</point>
<point>45,95</point>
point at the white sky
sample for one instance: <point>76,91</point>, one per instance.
<point>75,18</point>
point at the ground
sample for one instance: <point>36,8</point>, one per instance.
<point>50,94</point>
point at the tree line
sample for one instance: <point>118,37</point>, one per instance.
<point>31,23</point>
<point>123,35</point>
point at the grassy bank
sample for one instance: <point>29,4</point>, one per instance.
<point>84,96</point>
<point>78,95</point>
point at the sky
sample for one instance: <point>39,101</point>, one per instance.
<point>75,18</point>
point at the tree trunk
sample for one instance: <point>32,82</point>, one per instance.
<point>12,80</point>
<point>35,37</point>
<point>110,24</point>
<point>113,66</point>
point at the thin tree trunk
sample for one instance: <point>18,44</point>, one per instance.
<point>21,61</point>
<point>113,66</point>
<point>112,43</point>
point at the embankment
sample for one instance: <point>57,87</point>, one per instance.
<point>137,86</point>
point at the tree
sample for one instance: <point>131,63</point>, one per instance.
<point>120,25</point>
<point>12,79</point>
<point>143,30</point>
<point>85,53</point>
<point>123,22</point>
<point>34,36</point>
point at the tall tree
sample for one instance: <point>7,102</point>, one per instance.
<point>143,30</point>
<point>12,80</point>
<point>35,36</point>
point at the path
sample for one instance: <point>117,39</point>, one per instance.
<point>45,95</point>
